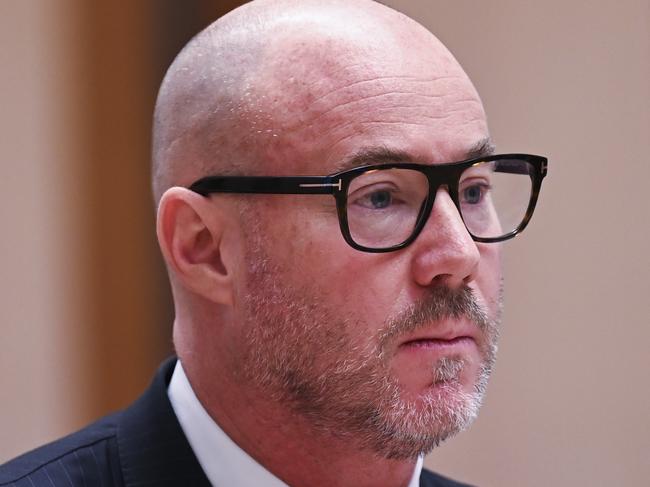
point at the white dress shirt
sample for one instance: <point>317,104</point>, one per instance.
<point>224,463</point>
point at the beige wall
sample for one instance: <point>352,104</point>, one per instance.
<point>41,342</point>
<point>569,401</point>
<point>84,304</point>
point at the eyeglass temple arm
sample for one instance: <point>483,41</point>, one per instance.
<point>513,166</point>
<point>267,184</point>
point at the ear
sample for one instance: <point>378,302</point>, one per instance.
<point>191,231</point>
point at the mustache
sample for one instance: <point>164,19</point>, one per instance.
<point>440,302</point>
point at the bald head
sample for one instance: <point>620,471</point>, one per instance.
<point>244,91</point>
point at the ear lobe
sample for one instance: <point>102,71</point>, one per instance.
<point>190,232</point>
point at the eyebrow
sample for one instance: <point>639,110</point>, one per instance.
<point>484,147</point>
<point>374,155</point>
<point>386,155</point>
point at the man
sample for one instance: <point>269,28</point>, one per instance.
<point>337,288</point>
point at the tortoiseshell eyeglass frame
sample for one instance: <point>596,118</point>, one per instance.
<point>446,174</point>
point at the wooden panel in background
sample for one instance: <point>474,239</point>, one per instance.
<point>126,305</point>
<point>128,46</point>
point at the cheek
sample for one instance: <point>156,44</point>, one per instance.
<point>489,278</point>
<point>353,285</point>
<point>303,239</point>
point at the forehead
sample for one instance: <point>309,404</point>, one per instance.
<point>322,98</point>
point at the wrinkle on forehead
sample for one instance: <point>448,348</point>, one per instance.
<point>392,97</point>
<point>321,69</point>
<point>340,110</point>
<point>340,92</point>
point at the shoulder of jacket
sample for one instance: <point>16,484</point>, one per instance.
<point>88,445</point>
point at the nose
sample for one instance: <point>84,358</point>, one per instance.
<point>444,252</point>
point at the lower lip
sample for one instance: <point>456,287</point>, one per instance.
<point>454,345</point>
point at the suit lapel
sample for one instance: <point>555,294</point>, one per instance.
<point>152,447</point>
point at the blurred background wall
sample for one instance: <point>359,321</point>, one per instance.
<point>85,314</point>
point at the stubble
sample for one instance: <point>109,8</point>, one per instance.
<point>302,355</point>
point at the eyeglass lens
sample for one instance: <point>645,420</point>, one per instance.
<point>384,205</point>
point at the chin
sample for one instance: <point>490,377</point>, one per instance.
<point>410,427</point>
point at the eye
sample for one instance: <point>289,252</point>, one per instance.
<point>376,200</point>
<point>387,192</point>
<point>475,193</point>
<point>472,195</point>
<point>380,199</point>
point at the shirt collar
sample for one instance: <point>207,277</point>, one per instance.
<point>222,460</point>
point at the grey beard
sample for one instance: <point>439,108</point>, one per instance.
<point>347,392</point>
<point>301,354</point>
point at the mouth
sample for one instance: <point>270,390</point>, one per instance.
<point>441,344</point>
<point>444,338</point>
<point>441,335</point>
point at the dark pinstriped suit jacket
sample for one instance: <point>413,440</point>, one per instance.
<point>141,446</point>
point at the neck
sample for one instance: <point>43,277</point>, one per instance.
<point>286,445</point>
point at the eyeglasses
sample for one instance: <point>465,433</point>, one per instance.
<point>384,207</point>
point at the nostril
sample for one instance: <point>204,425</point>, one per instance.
<point>450,281</point>
<point>441,279</point>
